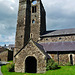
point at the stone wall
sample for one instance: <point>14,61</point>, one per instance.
<point>30,50</point>
<point>4,56</point>
<point>35,27</point>
<point>39,27</point>
<point>58,38</point>
<point>20,31</point>
<point>63,57</point>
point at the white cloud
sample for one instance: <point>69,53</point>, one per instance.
<point>10,38</point>
<point>11,4</point>
<point>11,8</point>
<point>13,1</point>
<point>8,20</point>
<point>60,14</point>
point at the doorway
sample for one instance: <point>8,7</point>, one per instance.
<point>31,65</point>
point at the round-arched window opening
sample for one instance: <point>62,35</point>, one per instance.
<point>33,21</point>
<point>34,2</point>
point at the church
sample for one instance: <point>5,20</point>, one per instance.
<point>34,45</point>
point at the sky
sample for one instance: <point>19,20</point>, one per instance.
<point>60,14</point>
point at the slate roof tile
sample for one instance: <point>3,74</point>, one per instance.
<point>59,46</point>
<point>59,32</point>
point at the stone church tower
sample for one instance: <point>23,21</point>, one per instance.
<point>30,25</point>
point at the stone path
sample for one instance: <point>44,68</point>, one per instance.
<point>0,71</point>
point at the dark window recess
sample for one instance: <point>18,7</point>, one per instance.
<point>71,59</point>
<point>33,21</point>
<point>34,9</point>
<point>21,36</point>
<point>46,39</point>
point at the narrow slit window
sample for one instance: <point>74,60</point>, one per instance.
<point>31,35</point>
<point>34,9</point>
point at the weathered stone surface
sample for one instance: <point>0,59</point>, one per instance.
<point>63,57</point>
<point>6,56</point>
<point>58,38</point>
<point>25,28</point>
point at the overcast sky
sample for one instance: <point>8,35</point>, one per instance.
<point>60,14</point>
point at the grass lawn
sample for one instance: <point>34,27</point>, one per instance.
<point>64,70</point>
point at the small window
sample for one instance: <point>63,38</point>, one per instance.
<point>34,2</point>
<point>46,39</point>
<point>60,38</point>
<point>31,35</point>
<point>33,21</point>
<point>21,36</point>
<point>34,9</point>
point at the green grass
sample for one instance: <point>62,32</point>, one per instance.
<point>64,70</point>
<point>10,61</point>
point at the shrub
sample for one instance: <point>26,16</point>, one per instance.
<point>51,65</point>
<point>54,66</point>
<point>10,67</point>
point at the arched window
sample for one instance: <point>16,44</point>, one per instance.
<point>33,21</point>
<point>34,2</point>
<point>31,35</point>
<point>34,9</point>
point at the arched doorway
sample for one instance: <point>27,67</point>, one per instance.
<point>71,59</point>
<point>31,65</point>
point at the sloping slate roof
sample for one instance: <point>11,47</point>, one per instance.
<point>42,49</point>
<point>59,46</point>
<point>59,32</point>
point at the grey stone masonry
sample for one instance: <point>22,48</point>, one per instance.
<point>30,50</point>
